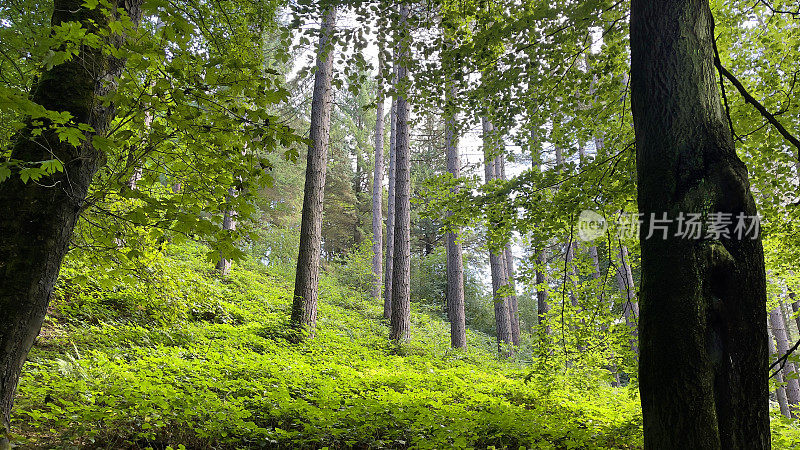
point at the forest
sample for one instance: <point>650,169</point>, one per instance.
<point>427,224</point>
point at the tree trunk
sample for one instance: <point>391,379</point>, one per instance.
<point>630,310</point>
<point>513,305</point>
<point>780,391</point>
<point>455,260</point>
<point>508,261</point>
<point>542,307</point>
<point>401,270</point>
<point>37,219</point>
<point>390,202</point>
<point>789,371</point>
<point>377,191</point>
<point>304,305</point>
<point>228,224</point>
<point>786,320</point>
<point>702,328</point>
<point>502,314</point>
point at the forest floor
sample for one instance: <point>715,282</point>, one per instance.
<point>182,358</point>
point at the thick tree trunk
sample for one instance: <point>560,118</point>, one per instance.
<point>780,391</point>
<point>702,328</point>
<point>37,219</point>
<point>401,270</point>
<point>390,204</point>
<point>228,224</point>
<point>497,262</point>
<point>455,260</point>
<point>789,371</point>
<point>377,192</point>
<point>630,310</point>
<point>304,305</point>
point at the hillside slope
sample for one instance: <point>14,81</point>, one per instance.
<point>184,358</point>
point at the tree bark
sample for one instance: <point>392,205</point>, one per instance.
<point>789,371</point>
<point>401,270</point>
<point>377,191</point>
<point>702,328</point>
<point>502,314</point>
<point>780,391</point>
<point>304,305</point>
<point>455,259</point>
<point>37,219</point>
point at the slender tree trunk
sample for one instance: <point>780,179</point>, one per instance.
<point>377,191</point>
<point>401,275</point>
<point>304,305</point>
<point>508,261</point>
<point>630,310</point>
<point>455,259</point>
<point>780,391</point>
<point>387,292</point>
<point>541,293</point>
<point>37,219</point>
<point>228,224</point>
<point>789,371</point>
<point>513,304</point>
<point>702,328</point>
<point>502,314</point>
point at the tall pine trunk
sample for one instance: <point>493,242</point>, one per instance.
<point>401,270</point>
<point>497,262</point>
<point>304,305</point>
<point>390,200</point>
<point>37,219</point>
<point>377,191</point>
<point>455,259</point>
<point>702,328</point>
<point>508,264</point>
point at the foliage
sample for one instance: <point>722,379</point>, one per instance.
<point>207,364</point>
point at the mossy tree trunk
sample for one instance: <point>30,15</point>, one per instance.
<point>702,328</point>
<point>37,219</point>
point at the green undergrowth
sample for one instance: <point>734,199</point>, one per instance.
<point>184,358</point>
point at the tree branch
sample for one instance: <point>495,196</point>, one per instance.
<point>758,106</point>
